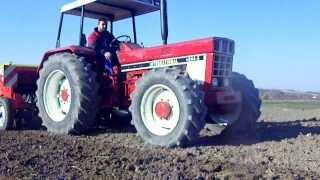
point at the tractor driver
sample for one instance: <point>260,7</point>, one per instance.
<point>100,40</point>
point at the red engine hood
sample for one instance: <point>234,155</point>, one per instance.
<point>132,53</point>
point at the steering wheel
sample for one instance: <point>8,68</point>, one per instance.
<point>115,43</point>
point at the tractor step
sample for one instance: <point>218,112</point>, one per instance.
<point>122,113</point>
<point>218,121</point>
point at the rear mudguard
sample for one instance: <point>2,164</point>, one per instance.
<point>79,50</point>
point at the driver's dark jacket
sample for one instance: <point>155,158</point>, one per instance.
<point>100,42</point>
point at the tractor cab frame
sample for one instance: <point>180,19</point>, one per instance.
<point>113,10</point>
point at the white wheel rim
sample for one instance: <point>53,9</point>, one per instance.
<point>57,95</point>
<point>2,115</point>
<point>152,122</point>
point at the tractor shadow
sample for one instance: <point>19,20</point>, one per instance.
<point>266,131</point>
<point>112,128</point>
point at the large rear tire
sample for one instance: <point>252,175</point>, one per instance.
<point>67,94</point>
<point>6,115</point>
<point>250,107</point>
<point>167,108</point>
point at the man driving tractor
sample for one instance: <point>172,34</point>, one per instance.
<point>100,40</point>
<point>170,92</point>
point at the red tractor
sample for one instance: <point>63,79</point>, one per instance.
<point>172,90</point>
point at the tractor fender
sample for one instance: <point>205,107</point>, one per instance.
<point>78,50</point>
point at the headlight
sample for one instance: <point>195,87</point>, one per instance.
<point>215,82</point>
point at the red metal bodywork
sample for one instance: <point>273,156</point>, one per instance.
<point>26,77</point>
<point>133,53</point>
<point>79,50</point>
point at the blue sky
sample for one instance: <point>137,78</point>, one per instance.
<point>277,41</point>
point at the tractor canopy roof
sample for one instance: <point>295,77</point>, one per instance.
<point>111,9</point>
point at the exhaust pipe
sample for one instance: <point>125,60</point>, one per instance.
<point>164,21</point>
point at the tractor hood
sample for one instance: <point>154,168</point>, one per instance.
<point>131,53</point>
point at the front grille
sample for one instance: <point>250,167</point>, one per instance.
<point>223,59</point>
<point>222,66</point>
<point>224,45</point>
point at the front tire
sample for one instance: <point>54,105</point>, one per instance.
<point>183,110</point>
<point>250,107</point>
<point>67,94</point>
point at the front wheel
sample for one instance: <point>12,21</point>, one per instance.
<point>167,108</point>
<point>245,124</point>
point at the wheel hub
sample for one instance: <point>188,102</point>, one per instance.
<point>64,95</point>
<point>163,110</point>
<point>160,109</point>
